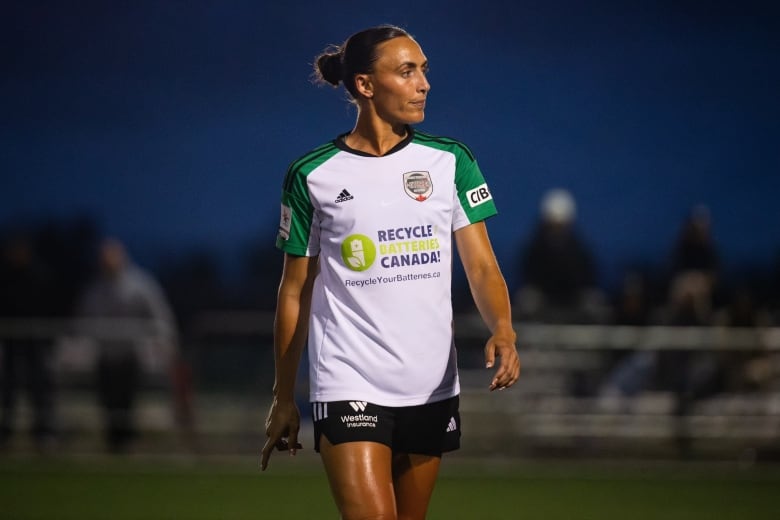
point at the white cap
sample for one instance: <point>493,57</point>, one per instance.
<point>558,206</point>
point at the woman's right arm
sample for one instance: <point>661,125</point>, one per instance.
<point>291,327</point>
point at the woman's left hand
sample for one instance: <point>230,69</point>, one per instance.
<point>503,346</point>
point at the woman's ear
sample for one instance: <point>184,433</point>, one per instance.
<point>364,85</point>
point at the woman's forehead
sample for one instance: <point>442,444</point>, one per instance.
<point>398,51</point>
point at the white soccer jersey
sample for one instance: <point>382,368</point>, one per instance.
<point>381,316</point>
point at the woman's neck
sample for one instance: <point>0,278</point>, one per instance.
<point>375,137</point>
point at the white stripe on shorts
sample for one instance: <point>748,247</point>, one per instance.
<point>320,411</point>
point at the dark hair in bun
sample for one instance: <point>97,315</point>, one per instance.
<point>339,64</point>
<point>328,66</point>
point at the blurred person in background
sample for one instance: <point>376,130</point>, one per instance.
<point>135,311</point>
<point>750,368</point>
<point>695,268</point>
<point>689,374</point>
<point>695,272</point>
<point>628,372</point>
<point>557,268</point>
<point>25,293</point>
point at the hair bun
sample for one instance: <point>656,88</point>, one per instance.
<point>330,67</point>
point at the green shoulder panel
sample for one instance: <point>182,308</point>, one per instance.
<point>297,208</point>
<point>473,192</point>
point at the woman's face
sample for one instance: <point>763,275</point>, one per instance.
<point>399,81</point>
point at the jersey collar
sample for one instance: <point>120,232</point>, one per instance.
<point>340,143</point>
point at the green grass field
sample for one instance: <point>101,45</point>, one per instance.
<point>128,488</point>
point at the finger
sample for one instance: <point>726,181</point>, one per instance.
<point>284,444</point>
<point>268,447</point>
<point>490,355</point>
<point>293,443</point>
<point>504,381</point>
<point>514,371</point>
<point>499,379</point>
<point>507,373</point>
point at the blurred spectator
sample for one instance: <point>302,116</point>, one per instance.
<point>751,367</point>
<point>695,272</point>
<point>558,273</point>
<point>629,372</point>
<point>25,293</point>
<point>135,310</point>
<point>689,375</point>
<point>695,266</point>
<point>632,305</point>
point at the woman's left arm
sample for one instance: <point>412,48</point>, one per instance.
<point>489,290</point>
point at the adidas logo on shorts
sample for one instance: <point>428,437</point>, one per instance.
<point>452,426</point>
<point>344,196</point>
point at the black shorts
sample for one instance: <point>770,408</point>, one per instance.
<point>426,429</point>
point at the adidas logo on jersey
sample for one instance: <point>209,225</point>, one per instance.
<point>452,426</point>
<point>344,196</point>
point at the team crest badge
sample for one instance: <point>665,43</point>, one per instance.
<point>418,185</point>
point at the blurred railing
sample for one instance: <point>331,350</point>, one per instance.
<point>75,342</point>
<point>555,408</point>
<point>561,404</point>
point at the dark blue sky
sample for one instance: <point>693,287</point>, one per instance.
<point>173,122</point>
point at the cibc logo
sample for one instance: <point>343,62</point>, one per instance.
<point>478,195</point>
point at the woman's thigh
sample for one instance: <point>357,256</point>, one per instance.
<point>361,479</point>
<point>414,477</point>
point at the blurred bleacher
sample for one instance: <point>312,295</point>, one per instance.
<point>553,411</point>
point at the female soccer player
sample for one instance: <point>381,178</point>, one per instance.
<point>366,226</point>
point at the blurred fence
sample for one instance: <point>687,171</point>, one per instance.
<point>558,408</point>
<point>562,404</point>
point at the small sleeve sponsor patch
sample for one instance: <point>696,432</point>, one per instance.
<point>285,222</point>
<point>478,195</point>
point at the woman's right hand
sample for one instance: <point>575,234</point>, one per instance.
<point>281,428</point>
